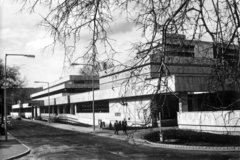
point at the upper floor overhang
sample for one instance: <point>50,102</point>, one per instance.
<point>64,88</point>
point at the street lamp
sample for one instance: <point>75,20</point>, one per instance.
<point>48,99</point>
<point>5,87</point>
<point>93,108</point>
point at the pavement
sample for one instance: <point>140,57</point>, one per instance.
<point>13,148</point>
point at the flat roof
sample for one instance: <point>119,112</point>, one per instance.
<point>63,87</point>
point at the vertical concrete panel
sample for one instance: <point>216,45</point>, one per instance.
<point>75,109</point>
<point>38,111</point>
<point>34,111</point>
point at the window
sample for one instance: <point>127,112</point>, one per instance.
<point>179,50</point>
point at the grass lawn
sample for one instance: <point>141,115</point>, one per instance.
<point>187,137</point>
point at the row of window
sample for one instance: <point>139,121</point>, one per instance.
<point>22,110</point>
<point>99,106</point>
<point>86,107</point>
<point>85,82</point>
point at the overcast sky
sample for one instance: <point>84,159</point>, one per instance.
<point>20,35</point>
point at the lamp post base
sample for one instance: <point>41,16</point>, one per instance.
<point>161,137</point>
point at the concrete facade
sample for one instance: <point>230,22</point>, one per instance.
<point>140,91</point>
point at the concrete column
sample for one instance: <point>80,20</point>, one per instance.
<point>38,111</point>
<point>71,109</point>
<point>58,110</point>
<point>20,109</point>
<point>64,109</point>
<point>75,109</point>
<point>53,109</point>
<point>49,109</point>
<point>195,103</point>
<point>36,114</point>
<point>34,111</point>
<point>183,102</point>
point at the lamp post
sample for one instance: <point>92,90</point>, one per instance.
<point>93,107</point>
<point>48,99</point>
<point>5,87</point>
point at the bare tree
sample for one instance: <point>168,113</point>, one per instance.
<point>96,68</point>
<point>215,21</point>
<point>14,80</point>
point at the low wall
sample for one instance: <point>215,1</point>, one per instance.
<point>224,122</point>
<point>45,116</point>
<point>87,118</point>
<point>28,115</point>
<point>70,118</point>
<point>22,114</point>
<point>67,118</point>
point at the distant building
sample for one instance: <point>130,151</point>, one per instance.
<point>16,95</point>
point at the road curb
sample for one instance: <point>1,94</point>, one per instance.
<point>198,148</point>
<point>19,155</point>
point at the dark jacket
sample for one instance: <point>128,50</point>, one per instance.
<point>124,123</point>
<point>116,125</point>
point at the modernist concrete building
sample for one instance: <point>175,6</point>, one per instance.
<point>166,84</point>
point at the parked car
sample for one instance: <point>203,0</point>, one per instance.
<point>9,116</point>
<point>9,124</point>
<point>18,118</point>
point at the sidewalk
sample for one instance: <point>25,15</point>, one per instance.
<point>12,148</point>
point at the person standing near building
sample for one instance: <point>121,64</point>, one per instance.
<point>116,127</point>
<point>124,124</point>
<point>2,129</point>
<point>119,125</point>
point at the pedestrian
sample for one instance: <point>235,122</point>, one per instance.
<point>101,125</point>
<point>110,125</point>
<point>116,127</point>
<point>2,129</point>
<point>124,124</point>
<point>119,125</point>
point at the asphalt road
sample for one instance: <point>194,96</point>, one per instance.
<point>51,143</point>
